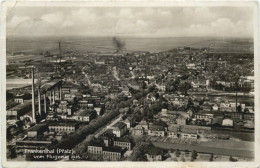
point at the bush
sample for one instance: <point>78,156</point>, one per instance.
<point>194,155</point>
<point>182,158</point>
<point>232,159</point>
<point>172,150</point>
<point>177,153</point>
<point>211,158</point>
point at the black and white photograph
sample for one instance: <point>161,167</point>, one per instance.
<point>128,83</point>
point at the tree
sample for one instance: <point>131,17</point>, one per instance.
<point>239,108</point>
<point>9,96</point>
<point>27,96</point>
<point>144,85</point>
<point>182,158</point>
<point>194,155</point>
<point>161,123</point>
<point>232,159</point>
<point>246,110</point>
<point>211,157</point>
<point>184,87</point>
<point>152,88</point>
<point>137,110</point>
<point>172,150</point>
<point>190,103</point>
<point>185,77</point>
<point>177,153</point>
<point>157,95</point>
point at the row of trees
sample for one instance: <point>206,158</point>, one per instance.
<point>75,138</point>
<point>176,85</point>
<point>236,87</point>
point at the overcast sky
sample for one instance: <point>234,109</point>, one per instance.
<point>151,22</point>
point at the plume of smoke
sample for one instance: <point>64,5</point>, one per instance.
<point>119,44</point>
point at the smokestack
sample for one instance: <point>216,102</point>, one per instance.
<point>119,44</point>
<point>39,101</point>
<point>33,99</point>
<point>236,102</point>
<point>60,52</point>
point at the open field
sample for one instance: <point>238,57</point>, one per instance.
<point>218,147</point>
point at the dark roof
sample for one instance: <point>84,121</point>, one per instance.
<point>157,128</point>
<point>122,139</point>
<point>68,85</point>
<point>109,132</point>
<point>95,143</point>
<point>112,149</point>
<point>189,131</point>
<point>154,151</point>
<point>21,106</point>
<point>38,127</point>
<point>119,125</point>
<point>61,124</point>
<point>83,112</point>
<point>174,129</point>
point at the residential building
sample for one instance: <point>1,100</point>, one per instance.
<point>62,127</point>
<point>215,107</point>
<point>181,120</point>
<point>154,154</point>
<point>164,112</point>
<point>173,132</point>
<point>205,116</point>
<point>84,115</point>
<point>156,130</point>
<point>112,153</point>
<point>123,143</point>
<point>95,148</point>
<point>189,134</point>
<point>19,100</point>
<point>129,121</point>
<point>233,115</point>
<point>144,124</point>
<point>98,110</point>
<point>119,129</point>
<point>227,122</point>
<point>138,130</point>
<point>249,116</point>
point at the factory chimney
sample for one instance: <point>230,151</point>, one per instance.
<point>33,98</point>
<point>39,100</point>
<point>60,52</point>
<point>236,102</point>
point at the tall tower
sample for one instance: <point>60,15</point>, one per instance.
<point>39,101</point>
<point>236,101</point>
<point>33,98</point>
<point>60,52</point>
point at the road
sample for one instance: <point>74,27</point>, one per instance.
<point>19,137</point>
<point>89,82</point>
<point>115,73</point>
<point>99,132</point>
<point>133,75</point>
<point>245,150</point>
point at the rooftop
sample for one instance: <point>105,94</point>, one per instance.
<point>157,128</point>
<point>61,124</point>
<point>38,127</point>
<point>119,125</point>
<point>112,149</point>
<point>123,139</point>
<point>83,112</point>
<point>154,151</point>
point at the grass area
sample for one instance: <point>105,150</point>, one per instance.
<point>216,150</point>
